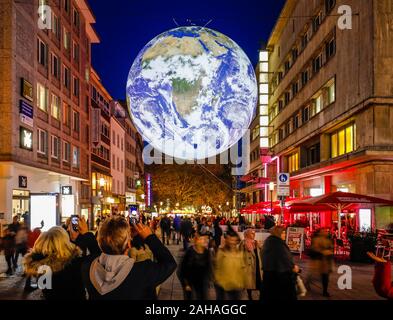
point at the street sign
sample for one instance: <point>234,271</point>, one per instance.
<point>283,185</point>
<point>283,191</point>
<point>283,179</point>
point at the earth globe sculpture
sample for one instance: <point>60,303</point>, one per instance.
<point>192,92</point>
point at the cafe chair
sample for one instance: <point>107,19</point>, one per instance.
<point>388,250</point>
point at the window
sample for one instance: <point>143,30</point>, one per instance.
<point>118,141</point>
<point>306,114</point>
<point>329,5</point>
<point>75,18</point>
<point>317,21</point>
<point>75,87</point>
<point>42,97</point>
<point>42,141</point>
<point>66,115</point>
<point>295,54</point>
<point>313,154</point>
<point>113,161</point>
<point>55,66</point>
<point>287,97</point>
<point>305,77</point>
<point>343,141</point>
<point>75,121</point>
<point>66,77</point>
<point>75,51</point>
<point>56,26</point>
<point>280,105</point>
<point>121,166</point>
<point>113,137</point>
<point>42,52</point>
<point>287,66</point>
<point>118,164</point>
<point>318,104</point>
<point>293,162</point>
<point>317,63</point>
<point>296,121</point>
<point>67,5</point>
<point>55,144</point>
<point>295,88</point>
<point>66,39</point>
<point>121,144</point>
<point>55,108</point>
<point>330,49</point>
<point>280,76</point>
<point>331,93</point>
<point>66,151</point>
<point>75,157</point>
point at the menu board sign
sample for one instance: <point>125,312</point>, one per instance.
<point>295,240</point>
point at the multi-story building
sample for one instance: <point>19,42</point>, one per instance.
<point>101,178</point>
<point>44,110</point>
<point>131,174</point>
<point>331,104</point>
<point>118,156</point>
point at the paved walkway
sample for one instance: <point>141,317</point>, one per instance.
<point>11,288</point>
<point>362,288</point>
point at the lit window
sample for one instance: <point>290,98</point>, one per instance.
<point>318,104</point>
<point>343,141</point>
<point>42,97</point>
<point>331,93</point>
<point>293,162</point>
<point>55,110</point>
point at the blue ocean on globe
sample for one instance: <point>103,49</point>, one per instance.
<point>192,92</point>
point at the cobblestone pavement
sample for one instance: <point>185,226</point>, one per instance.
<point>11,288</point>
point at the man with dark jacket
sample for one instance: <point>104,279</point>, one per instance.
<point>165,225</point>
<point>186,230</point>
<point>279,270</point>
<point>113,275</point>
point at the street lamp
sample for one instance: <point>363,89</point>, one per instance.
<point>271,189</point>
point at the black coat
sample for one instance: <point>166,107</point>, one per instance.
<point>279,281</point>
<point>143,278</point>
<point>195,269</point>
<point>186,228</point>
<point>66,281</point>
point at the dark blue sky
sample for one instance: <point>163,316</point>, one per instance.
<point>125,26</point>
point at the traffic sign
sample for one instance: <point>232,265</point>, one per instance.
<point>283,185</point>
<point>283,179</point>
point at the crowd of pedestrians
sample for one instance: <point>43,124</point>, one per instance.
<point>122,260</point>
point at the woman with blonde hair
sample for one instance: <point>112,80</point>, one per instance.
<point>252,260</point>
<point>58,261</point>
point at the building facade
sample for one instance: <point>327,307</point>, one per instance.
<point>44,109</point>
<point>101,178</point>
<point>331,104</point>
<point>118,156</point>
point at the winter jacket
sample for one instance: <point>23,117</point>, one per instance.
<point>119,277</point>
<point>250,262</point>
<point>229,270</point>
<point>195,269</point>
<point>382,280</point>
<point>66,282</point>
<point>279,281</point>
<point>322,247</point>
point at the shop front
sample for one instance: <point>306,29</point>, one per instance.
<point>27,190</point>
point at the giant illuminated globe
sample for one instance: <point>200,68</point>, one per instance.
<point>192,92</point>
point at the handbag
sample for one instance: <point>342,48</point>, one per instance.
<point>300,287</point>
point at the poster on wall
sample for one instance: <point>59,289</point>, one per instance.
<point>295,240</point>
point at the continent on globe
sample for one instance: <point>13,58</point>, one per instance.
<point>192,92</point>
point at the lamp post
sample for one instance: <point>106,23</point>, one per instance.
<point>271,189</point>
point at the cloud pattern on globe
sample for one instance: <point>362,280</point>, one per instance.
<point>192,92</point>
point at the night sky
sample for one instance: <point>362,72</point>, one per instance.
<point>125,26</point>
